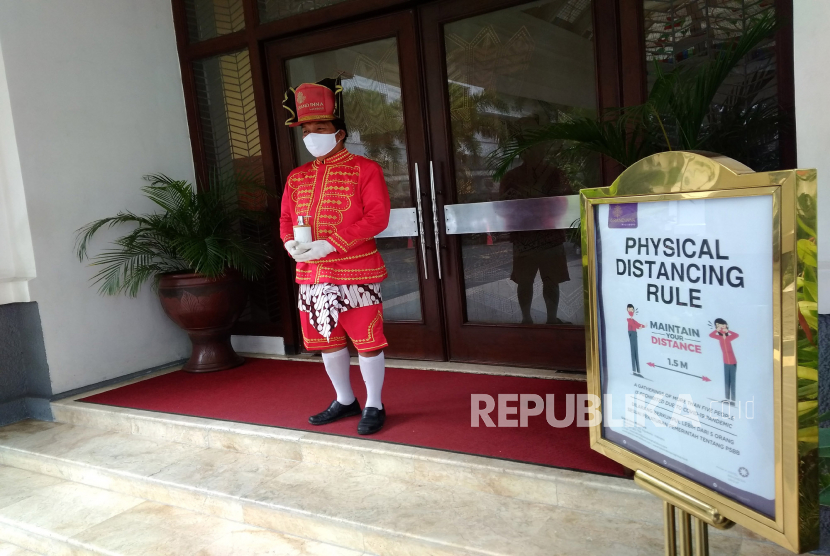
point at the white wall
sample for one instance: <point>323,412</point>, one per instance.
<point>17,259</point>
<point>97,102</point>
<point>812,93</point>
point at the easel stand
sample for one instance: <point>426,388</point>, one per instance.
<point>693,542</point>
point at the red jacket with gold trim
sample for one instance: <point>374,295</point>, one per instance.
<point>347,201</point>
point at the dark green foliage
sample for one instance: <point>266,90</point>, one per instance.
<point>198,231</point>
<point>680,114</point>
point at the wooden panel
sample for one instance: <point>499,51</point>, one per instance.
<point>189,86</point>
<point>351,10</point>
<point>786,83</point>
<point>609,73</point>
<point>632,53</point>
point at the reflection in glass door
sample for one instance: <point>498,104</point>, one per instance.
<point>508,73</point>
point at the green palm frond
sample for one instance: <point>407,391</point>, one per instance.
<point>680,114</point>
<point>690,94</point>
<point>197,231</point>
<point>623,135</point>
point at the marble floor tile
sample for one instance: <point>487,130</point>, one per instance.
<point>129,454</point>
<point>36,543</point>
<point>66,508</point>
<point>399,546</point>
<point>86,415</point>
<point>330,491</point>
<point>569,530</point>
<point>199,500</point>
<point>517,486</point>
<point>391,501</point>
<point>261,542</point>
<point>7,549</point>
<point>154,529</point>
<point>17,484</point>
<point>224,471</point>
<point>46,437</point>
<point>461,519</point>
<point>305,525</point>
<point>161,429</point>
<point>632,503</point>
<point>189,522</point>
<point>761,548</point>
<point>377,503</point>
<point>280,446</point>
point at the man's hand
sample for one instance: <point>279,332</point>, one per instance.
<point>313,251</point>
<point>294,248</point>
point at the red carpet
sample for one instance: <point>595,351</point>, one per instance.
<point>424,408</point>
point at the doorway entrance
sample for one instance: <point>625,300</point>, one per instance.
<point>480,269</point>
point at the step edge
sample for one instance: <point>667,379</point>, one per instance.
<point>71,541</point>
<point>28,532</point>
<point>245,503</point>
<point>405,451</point>
<point>226,498</point>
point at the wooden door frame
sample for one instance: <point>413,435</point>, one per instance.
<point>621,77</point>
<point>416,340</point>
<point>496,343</point>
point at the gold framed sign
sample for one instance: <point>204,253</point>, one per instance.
<point>701,338</point>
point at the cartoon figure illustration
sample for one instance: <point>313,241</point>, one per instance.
<point>633,326</point>
<point>730,365</point>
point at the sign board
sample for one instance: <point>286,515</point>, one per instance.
<point>693,284</point>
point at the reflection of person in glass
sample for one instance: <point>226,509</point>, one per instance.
<point>633,326</point>
<point>339,271</point>
<point>725,337</point>
<point>541,251</point>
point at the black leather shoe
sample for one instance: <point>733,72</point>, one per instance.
<point>335,412</point>
<point>372,420</point>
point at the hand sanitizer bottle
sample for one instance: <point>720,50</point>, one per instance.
<point>302,231</point>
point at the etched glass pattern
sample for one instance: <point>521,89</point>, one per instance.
<point>207,19</point>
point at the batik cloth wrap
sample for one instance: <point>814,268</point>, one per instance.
<point>324,302</point>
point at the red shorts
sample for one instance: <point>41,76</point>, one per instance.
<point>363,325</point>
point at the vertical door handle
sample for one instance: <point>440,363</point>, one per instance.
<point>435,219</point>
<point>421,221</point>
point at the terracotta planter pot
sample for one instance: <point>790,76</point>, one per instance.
<point>205,308</point>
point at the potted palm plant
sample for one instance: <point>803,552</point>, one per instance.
<point>195,255</point>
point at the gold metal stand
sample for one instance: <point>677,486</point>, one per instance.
<point>690,510</point>
<point>668,529</point>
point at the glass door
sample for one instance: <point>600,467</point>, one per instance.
<point>511,265</point>
<point>378,62</point>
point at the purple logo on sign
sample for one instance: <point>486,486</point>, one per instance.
<point>623,215</point>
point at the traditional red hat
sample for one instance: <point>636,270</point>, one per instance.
<point>314,102</point>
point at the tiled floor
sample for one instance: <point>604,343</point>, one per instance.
<point>70,489</point>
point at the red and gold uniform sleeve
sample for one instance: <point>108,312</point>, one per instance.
<point>374,197</point>
<point>287,215</point>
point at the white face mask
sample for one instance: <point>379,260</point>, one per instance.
<point>319,144</point>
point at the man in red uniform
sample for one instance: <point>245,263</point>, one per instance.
<point>344,198</point>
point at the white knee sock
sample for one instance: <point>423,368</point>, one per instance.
<point>373,369</point>
<point>337,367</point>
